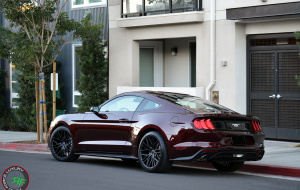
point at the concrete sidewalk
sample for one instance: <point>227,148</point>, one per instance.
<point>281,158</point>
<point>14,136</point>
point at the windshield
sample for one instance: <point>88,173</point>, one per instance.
<point>195,104</point>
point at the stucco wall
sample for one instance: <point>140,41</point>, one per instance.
<point>177,68</point>
<point>123,41</point>
<point>231,81</point>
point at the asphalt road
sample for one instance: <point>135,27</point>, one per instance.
<point>94,173</point>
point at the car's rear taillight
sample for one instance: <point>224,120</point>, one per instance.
<point>256,126</point>
<point>204,124</point>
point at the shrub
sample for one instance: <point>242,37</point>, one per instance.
<point>93,65</point>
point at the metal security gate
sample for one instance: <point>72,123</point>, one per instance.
<point>274,93</point>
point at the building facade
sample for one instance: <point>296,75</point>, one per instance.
<point>241,54</point>
<point>69,71</point>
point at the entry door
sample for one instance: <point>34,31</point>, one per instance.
<point>274,93</point>
<point>151,64</point>
<point>147,67</point>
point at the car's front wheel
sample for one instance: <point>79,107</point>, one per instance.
<point>153,154</point>
<point>61,144</point>
<point>227,166</point>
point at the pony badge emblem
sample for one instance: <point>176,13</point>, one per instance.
<point>235,124</point>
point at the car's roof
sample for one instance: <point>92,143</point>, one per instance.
<point>173,97</point>
<point>161,93</point>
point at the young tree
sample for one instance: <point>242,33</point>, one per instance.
<point>39,29</point>
<point>93,65</point>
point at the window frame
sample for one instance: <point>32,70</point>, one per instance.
<point>89,5</point>
<point>12,94</point>
<point>74,92</point>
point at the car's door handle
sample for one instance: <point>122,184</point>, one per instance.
<point>123,120</point>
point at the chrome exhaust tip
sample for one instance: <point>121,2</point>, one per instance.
<point>203,157</point>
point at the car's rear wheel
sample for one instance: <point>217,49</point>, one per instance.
<point>227,166</point>
<point>153,154</point>
<point>61,144</point>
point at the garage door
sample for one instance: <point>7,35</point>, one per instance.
<point>274,92</point>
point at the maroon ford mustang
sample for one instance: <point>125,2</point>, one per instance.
<point>157,129</point>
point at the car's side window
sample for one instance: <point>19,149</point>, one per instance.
<point>124,103</point>
<point>148,105</point>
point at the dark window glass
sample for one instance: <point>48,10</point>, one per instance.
<point>124,103</point>
<point>148,105</point>
<point>193,103</point>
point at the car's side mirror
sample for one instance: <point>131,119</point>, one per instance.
<point>94,109</point>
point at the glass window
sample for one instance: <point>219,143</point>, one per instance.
<point>194,103</point>
<point>78,2</point>
<point>124,103</point>
<point>148,105</point>
<point>76,74</point>
<point>77,68</point>
<point>15,102</point>
<point>132,6</point>
<point>14,87</point>
<point>14,82</point>
<point>183,4</point>
<point>76,99</point>
<point>154,5</point>
<point>84,3</point>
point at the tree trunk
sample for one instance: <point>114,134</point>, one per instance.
<point>41,78</point>
<point>45,109</point>
<point>37,101</point>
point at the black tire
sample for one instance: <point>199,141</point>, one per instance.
<point>61,145</point>
<point>227,166</point>
<point>153,153</point>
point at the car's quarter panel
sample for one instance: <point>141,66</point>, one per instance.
<point>105,132</point>
<point>161,119</point>
<point>149,121</point>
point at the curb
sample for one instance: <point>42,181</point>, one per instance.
<point>253,168</point>
<point>248,167</point>
<point>24,147</point>
<point>272,170</point>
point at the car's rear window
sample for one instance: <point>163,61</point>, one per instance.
<point>194,103</point>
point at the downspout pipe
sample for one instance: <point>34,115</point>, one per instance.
<point>212,49</point>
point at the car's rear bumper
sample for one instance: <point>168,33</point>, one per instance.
<point>229,155</point>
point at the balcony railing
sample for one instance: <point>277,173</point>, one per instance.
<point>136,8</point>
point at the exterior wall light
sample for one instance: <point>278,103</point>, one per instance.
<point>174,51</point>
<point>223,63</point>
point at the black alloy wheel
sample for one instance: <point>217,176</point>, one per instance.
<point>62,145</point>
<point>227,166</point>
<point>152,153</point>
